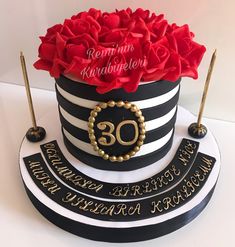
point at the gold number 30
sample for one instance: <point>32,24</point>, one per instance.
<point>103,125</point>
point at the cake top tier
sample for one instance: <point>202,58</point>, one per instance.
<point>119,49</point>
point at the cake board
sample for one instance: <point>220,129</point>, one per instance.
<point>130,229</point>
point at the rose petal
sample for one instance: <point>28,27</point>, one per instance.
<point>47,51</point>
<point>43,64</point>
<point>111,20</point>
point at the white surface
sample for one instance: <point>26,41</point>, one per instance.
<point>21,22</point>
<point>214,227</point>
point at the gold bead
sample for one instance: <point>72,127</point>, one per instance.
<point>106,157</point>
<point>120,104</point>
<point>90,125</point>
<point>103,105</point>
<point>96,148</point>
<point>113,158</point>
<point>138,114</point>
<point>91,119</point>
<point>97,109</point>
<point>142,131</point>
<point>119,158</point>
<point>141,137</point>
<point>140,143</point>
<point>111,103</point>
<point>134,108</point>
<point>101,152</point>
<point>126,157</point>
<point>141,119</point>
<point>136,148</point>
<point>92,137</point>
<point>91,131</point>
<point>94,114</point>
<point>127,105</point>
<point>132,153</point>
<point>142,125</point>
<point>93,143</point>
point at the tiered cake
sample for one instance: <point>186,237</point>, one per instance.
<point>117,85</point>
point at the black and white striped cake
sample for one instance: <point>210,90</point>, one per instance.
<point>157,102</point>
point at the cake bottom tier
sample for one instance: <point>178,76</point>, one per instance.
<point>55,198</point>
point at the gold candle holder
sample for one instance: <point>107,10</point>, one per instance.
<point>35,133</point>
<point>198,130</point>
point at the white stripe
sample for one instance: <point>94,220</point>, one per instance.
<point>159,122</point>
<point>81,124</point>
<point>142,104</point>
<point>150,125</point>
<point>145,149</point>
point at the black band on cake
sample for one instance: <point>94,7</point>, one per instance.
<point>144,91</point>
<point>119,235</point>
<point>132,210</point>
<point>157,183</point>
<point>149,113</point>
<point>151,135</point>
<point>132,164</point>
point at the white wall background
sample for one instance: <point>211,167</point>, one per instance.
<point>213,22</point>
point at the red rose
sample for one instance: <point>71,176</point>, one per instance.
<point>113,38</point>
<point>163,62</point>
<point>190,52</point>
<point>158,56</point>
<point>138,26</point>
<point>87,24</point>
<point>94,13</point>
<point>141,45</point>
<point>117,67</point>
<point>65,56</point>
<point>117,75</point>
<point>110,21</point>
<point>158,29</point>
<point>140,13</point>
<point>125,16</point>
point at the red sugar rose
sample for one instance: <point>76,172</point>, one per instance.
<point>119,49</point>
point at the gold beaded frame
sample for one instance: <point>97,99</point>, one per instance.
<point>129,106</point>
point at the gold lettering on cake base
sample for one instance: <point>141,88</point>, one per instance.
<point>136,190</point>
<point>44,178</point>
<point>187,189</point>
<point>153,184</point>
<point>66,173</point>
<point>156,206</point>
<point>178,198</point>
<point>122,209</point>
<point>187,152</point>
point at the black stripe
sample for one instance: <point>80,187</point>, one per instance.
<point>149,113</point>
<point>132,164</point>
<point>151,135</point>
<point>145,91</point>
